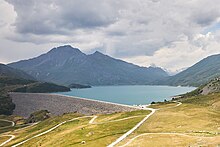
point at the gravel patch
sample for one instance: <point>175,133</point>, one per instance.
<point>27,103</point>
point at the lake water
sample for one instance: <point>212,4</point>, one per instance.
<point>129,94</point>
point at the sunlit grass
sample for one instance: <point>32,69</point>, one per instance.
<point>73,133</point>
<point>198,116</point>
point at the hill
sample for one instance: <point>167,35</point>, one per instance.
<point>67,65</point>
<point>198,74</point>
<point>211,87</point>
<point>41,87</point>
<point>11,84</point>
<point>79,86</point>
<point>11,72</point>
<point>193,122</point>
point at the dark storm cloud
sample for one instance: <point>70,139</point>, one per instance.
<point>59,17</point>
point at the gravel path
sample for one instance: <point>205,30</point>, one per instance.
<point>11,137</point>
<point>51,129</point>
<point>27,103</point>
<point>140,123</point>
<point>12,123</point>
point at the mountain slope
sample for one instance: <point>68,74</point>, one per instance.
<point>11,72</point>
<point>212,86</point>
<point>199,74</point>
<point>67,65</point>
<point>11,84</point>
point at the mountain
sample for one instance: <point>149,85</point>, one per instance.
<point>212,86</point>
<point>67,65</point>
<point>198,74</point>
<point>11,84</point>
<point>11,72</point>
<point>172,73</point>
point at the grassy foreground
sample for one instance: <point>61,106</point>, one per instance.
<point>194,123</point>
<point>104,130</point>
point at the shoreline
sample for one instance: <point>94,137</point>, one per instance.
<point>128,98</point>
<point>125,105</point>
<point>57,104</point>
<point>139,106</point>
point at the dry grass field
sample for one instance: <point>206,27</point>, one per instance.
<point>194,123</point>
<point>104,130</point>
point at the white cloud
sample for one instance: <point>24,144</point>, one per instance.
<point>181,54</point>
<point>144,32</point>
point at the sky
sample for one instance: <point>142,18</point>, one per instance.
<point>172,34</point>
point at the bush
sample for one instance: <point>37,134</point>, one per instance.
<point>6,104</point>
<point>153,102</point>
<point>38,116</point>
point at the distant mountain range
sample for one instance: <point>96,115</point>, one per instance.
<point>172,73</point>
<point>66,65</point>
<point>196,75</point>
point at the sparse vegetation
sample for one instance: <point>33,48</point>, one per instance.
<point>198,117</point>
<point>38,116</point>
<point>211,87</point>
<point>73,133</point>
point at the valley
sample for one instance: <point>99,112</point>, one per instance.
<point>32,116</point>
<point>110,73</point>
<point>193,122</point>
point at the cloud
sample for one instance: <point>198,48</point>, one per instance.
<point>126,29</point>
<point>58,17</point>
<point>181,54</point>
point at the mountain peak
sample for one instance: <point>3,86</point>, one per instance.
<point>65,48</point>
<point>98,53</point>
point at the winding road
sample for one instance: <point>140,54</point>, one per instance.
<point>51,129</point>
<point>134,128</point>
<point>140,123</point>
<point>144,134</point>
<point>92,122</point>
<point>12,123</point>
<point>11,137</point>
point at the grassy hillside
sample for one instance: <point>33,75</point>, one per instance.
<point>9,81</point>
<point>194,123</point>
<point>212,86</point>
<point>39,87</point>
<point>15,73</point>
<point>104,130</point>
<point>10,84</point>
<point>197,75</point>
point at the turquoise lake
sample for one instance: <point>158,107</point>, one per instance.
<point>130,95</point>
